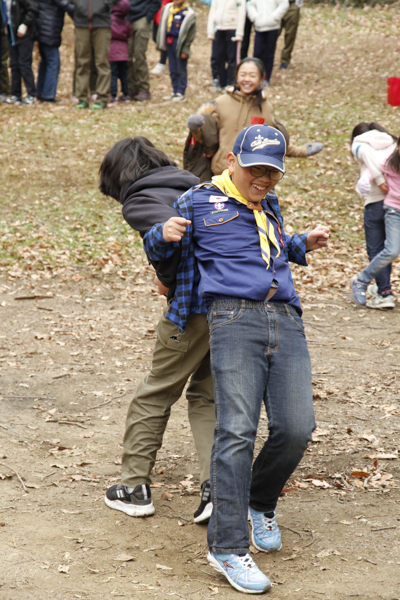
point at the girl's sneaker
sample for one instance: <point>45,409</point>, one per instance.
<point>113,99</point>
<point>178,98</point>
<point>29,100</point>
<point>379,301</point>
<point>124,98</point>
<point>13,100</point>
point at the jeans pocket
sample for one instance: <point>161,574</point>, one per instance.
<point>297,320</point>
<point>217,318</point>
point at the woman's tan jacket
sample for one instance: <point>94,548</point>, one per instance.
<point>233,112</point>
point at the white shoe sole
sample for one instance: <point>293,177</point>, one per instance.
<point>206,514</point>
<point>215,564</point>
<point>132,510</point>
<point>380,306</point>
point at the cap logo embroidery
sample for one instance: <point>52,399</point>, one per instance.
<point>261,142</point>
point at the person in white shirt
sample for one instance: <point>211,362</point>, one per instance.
<point>225,27</point>
<point>266,16</point>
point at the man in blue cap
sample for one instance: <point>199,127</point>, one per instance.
<point>235,258</point>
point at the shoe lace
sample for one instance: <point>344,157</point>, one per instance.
<point>269,523</point>
<point>246,561</point>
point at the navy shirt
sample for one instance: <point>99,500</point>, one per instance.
<point>227,249</point>
<point>176,23</point>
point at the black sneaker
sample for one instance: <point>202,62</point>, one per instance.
<point>135,503</point>
<point>203,513</point>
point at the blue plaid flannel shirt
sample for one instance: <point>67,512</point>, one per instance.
<point>186,299</point>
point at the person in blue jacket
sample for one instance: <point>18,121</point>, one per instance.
<point>50,24</point>
<point>234,254</point>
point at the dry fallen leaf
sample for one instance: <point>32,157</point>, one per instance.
<point>63,568</point>
<point>124,557</point>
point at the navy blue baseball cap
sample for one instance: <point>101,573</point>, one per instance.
<point>260,145</point>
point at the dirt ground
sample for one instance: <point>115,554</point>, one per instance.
<point>76,337</point>
<point>71,357</point>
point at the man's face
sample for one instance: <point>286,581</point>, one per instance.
<point>252,188</point>
<point>178,2</point>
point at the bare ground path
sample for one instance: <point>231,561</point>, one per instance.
<point>70,360</point>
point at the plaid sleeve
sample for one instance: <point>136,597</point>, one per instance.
<point>296,248</point>
<point>155,246</point>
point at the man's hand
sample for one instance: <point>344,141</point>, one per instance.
<point>162,289</point>
<point>174,229</point>
<point>183,55</point>
<point>317,238</point>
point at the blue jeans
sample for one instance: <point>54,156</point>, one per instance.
<point>391,248</point>
<point>177,69</point>
<point>374,229</point>
<point>258,355</point>
<point>49,69</point>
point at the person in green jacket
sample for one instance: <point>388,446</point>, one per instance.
<point>175,34</point>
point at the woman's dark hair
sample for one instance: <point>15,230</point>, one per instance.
<point>261,69</point>
<point>364,127</point>
<point>394,159</point>
<point>127,161</point>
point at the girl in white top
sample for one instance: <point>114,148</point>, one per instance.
<point>266,16</point>
<point>371,146</point>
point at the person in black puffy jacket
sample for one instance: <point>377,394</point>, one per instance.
<point>20,20</point>
<point>49,25</point>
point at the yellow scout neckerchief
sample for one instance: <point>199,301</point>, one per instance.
<point>174,11</point>
<point>265,229</point>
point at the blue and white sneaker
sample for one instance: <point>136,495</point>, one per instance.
<point>241,572</point>
<point>265,534</point>
<point>359,292</point>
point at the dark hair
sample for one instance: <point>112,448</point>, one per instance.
<point>127,161</point>
<point>261,69</point>
<point>364,127</point>
<point>394,159</point>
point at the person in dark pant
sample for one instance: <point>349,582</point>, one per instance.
<point>290,23</point>
<point>49,25</point>
<point>266,16</point>
<point>120,33</point>
<point>176,33</point>
<point>20,20</point>
<point>225,28</point>
<point>244,48</point>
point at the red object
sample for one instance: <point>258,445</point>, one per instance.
<point>157,16</point>
<point>393,91</point>
<point>257,121</point>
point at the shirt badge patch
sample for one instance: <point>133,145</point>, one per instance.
<point>214,199</point>
<point>219,205</point>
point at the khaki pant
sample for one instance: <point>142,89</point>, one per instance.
<point>176,357</point>
<point>99,40</point>
<point>290,23</point>
<point>4,76</point>
<point>138,69</point>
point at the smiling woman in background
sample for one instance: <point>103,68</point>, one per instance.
<point>243,104</point>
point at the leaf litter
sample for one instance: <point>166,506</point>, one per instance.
<point>83,327</point>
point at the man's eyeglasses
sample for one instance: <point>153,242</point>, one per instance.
<point>273,174</point>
